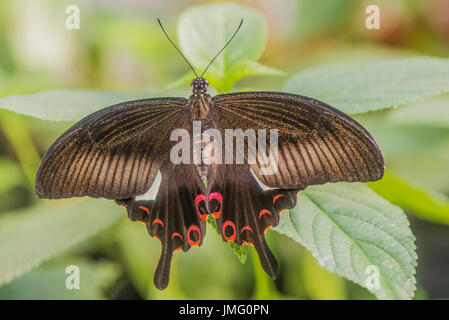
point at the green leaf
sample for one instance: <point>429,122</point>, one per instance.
<point>49,283</point>
<point>367,86</point>
<point>30,237</point>
<point>426,204</point>
<point>348,228</point>
<point>139,254</point>
<point>216,277</point>
<point>320,284</point>
<point>70,104</point>
<point>419,154</point>
<point>204,30</point>
<point>10,175</point>
<point>434,112</point>
<point>183,80</point>
<point>244,69</point>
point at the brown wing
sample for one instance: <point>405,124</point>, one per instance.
<point>175,217</point>
<point>316,142</point>
<point>114,153</point>
<point>244,211</point>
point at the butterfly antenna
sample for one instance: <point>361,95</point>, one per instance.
<point>238,28</point>
<point>190,65</point>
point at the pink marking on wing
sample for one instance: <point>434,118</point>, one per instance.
<point>218,196</point>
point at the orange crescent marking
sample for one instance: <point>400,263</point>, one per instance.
<point>158,221</point>
<point>190,241</point>
<point>247,242</point>
<point>277,197</point>
<point>143,222</point>
<point>264,211</point>
<point>228,223</point>
<point>246,228</point>
<point>145,209</point>
<point>176,235</point>
<point>177,249</point>
<point>266,229</point>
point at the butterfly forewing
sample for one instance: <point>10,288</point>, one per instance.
<point>114,153</point>
<point>316,142</point>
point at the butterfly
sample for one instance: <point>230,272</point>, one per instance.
<point>117,152</point>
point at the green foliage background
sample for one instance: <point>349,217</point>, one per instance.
<point>394,80</point>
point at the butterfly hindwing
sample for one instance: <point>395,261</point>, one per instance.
<point>114,153</point>
<point>173,217</point>
<point>248,211</point>
<point>316,142</point>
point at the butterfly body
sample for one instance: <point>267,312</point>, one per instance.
<point>116,153</point>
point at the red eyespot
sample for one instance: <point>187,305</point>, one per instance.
<point>225,225</point>
<point>189,239</point>
<point>217,196</point>
<point>198,199</point>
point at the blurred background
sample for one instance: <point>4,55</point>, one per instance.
<point>121,47</point>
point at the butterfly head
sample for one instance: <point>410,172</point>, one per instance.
<point>199,86</point>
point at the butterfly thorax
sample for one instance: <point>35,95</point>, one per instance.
<point>200,100</point>
<point>200,104</point>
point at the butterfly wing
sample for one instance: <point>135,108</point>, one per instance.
<point>244,211</point>
<point>316,142</point>
<point>174,217</point>
<point>114,153</point>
